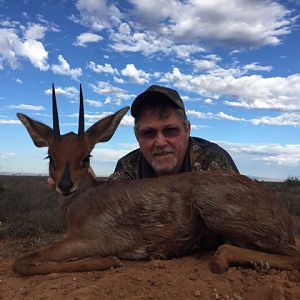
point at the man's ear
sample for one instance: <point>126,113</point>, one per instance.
<point>103,130</point>
<point>39,132</point>
<point>188,128</point>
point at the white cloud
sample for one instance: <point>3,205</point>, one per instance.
<point>135,75</point>
<point>97,14</point>
<point>19,81</point>
<point>196,114</point>
<point>147,42</point>
<point>128,120</point>
<point>87,37</point>
<point>64,68</point>
<point>208,101</point>
<point>51,26</point>
<point>197,127</point>
<point>70,92</point>
<point>256,67</point>
<point>9,23</point>
<point>108,154</point>
<point>27,107</point>
<point>108,100</point>
<point>285,155</point>
<point>92,118</point>
<point>6,155</point>
<point>105,88</point>
<point>107,68</point>
<point>280,93</point>
<point>182,50</point>
<point>218,116</point>
<point>206,63</point>
<point>12,48</point>
<point>219,21</point>
<point>285,119</point>
<point>36,53</point>
<point>35,32</point>
<point>119,80</point>
<point>6,122</point>
<point>187,27</point>
<point>225,116</point>
<point>94,103</point>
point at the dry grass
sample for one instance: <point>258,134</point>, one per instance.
<point>28,208</point>
<point>289,192</point>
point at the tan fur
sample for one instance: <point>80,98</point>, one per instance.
<point>163,217</point>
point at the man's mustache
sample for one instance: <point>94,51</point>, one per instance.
<point>163,151</point>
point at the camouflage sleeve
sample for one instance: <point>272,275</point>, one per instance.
<point>211,158</point>
<point>119,176</point>
<point>217,161</point>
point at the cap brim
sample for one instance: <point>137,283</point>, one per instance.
<point>146,96</point>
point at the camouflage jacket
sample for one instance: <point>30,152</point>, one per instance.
<point>202,155</point>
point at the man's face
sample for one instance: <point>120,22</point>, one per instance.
<point>163,141</point>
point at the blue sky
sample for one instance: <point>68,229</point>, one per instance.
<point>234,62</point>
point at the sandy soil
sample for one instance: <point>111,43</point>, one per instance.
<point>184,278</point>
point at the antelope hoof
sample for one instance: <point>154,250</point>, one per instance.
<point>117,263</point>
<point>110,262</point>
<point>219,263</point>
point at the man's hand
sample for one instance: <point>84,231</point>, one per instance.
<point>51,182</point>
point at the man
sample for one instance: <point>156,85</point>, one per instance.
<point>163,133</point>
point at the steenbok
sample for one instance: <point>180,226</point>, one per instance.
<point>158,218</point>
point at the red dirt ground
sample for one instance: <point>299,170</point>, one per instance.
<point>184,278</point>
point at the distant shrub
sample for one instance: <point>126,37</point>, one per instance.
<point>292,181</point>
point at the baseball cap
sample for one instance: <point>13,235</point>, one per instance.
<point>157,92</point>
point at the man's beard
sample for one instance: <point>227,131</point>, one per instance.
<point>165,161</point>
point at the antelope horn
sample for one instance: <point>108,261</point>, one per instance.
<point>81,115</point>
<point>56,132</point>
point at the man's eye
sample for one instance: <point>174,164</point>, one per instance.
<point>171,131</point>
<point>148,133</point>
<point>86,161</point>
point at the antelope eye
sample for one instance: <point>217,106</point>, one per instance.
<point>86,161</point>
<point>51,161</point>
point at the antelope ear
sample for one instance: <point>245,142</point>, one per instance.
<point>103,130</point>
<point>39,132</point>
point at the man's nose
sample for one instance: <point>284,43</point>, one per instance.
<point>160,139</point>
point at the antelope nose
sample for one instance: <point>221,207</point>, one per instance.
<point>65,186</point>
<point>66,183</point>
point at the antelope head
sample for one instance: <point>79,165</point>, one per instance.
<point>69,154</point>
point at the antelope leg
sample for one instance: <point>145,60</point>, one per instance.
<point>228,255</point>
<point>62,256</point>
